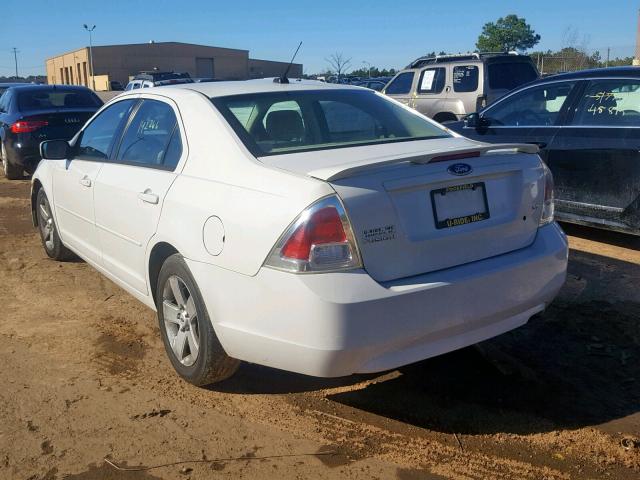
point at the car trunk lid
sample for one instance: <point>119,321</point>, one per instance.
<point>431,205</point>
<point>60,123</point>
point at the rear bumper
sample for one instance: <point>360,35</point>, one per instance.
<point>342,323</point>
<point>24,152</point>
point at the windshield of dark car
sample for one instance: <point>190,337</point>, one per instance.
<point>294,121</point>
<point>507,76</point>
<point>56,98</point>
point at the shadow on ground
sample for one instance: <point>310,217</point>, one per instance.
<point>577,364</point>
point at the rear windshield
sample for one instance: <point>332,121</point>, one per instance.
<point>56,98</point>
<point>507,76</point>
<point>295,121</point>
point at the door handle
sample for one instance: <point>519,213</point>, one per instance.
<point>85,181</point>
<point>540,145</point>
<point>149,197</point>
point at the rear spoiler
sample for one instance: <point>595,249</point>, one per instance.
<point>345,170</point>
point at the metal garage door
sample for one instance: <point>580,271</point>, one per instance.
<point>204,67</point>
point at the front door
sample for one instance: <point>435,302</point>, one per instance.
<point>595,158</point>
<point>131,188</point>
<point>401,87</point>
<point>74,180</point>
<point>532,115</point>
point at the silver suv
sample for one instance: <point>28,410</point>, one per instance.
<point>448,87</point>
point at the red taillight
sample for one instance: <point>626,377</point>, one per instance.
<point>319,240</point>
<point>323,227</point>
<point>455,156</point>
<point>26,126</point>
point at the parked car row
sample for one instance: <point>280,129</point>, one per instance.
<point>365,236</point>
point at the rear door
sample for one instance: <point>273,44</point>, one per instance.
<point>467,82</point>
<point>74,180</point>
<point>532,115</point>
<point>131,187</point>
<point>401,88</point>
<point>595,158</point>
<point>430,91</point>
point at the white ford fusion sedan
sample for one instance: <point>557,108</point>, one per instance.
<point>316,228</point>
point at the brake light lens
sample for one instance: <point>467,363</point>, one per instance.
<point>548,206</point>
<point>27,126</point>
<point>319,240</point>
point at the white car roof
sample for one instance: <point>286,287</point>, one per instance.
<point>222,89</point>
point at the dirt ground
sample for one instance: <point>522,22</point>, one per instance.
<point>84,377</point>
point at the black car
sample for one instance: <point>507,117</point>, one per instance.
<point>587,125</point>
<point>30,114</point>
<point>5,86</point>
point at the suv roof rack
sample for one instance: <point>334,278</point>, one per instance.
<point>427,60</point>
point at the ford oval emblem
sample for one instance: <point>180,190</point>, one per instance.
<point>460,169</point>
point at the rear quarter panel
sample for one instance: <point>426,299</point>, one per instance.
<point>254,203</point>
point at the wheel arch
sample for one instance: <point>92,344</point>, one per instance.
<point>445,117</point>
<point>157,256</point>
<point>36,186</point>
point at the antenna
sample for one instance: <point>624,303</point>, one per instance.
<point>283,78</point>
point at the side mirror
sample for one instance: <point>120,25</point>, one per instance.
<point>55,150</point>
<point>474,120</point>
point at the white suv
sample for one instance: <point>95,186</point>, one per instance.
<point>316,228</point>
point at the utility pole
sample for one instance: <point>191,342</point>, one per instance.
<point>90,30</point>
<point>15,58</point>
<point>608,55</point>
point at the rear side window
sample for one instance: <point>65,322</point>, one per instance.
<point>401,84</point>
<point>98,136</point>
<point>147,137</point>
<point>507,76</point>
<point>432,80</point>
<point>56,98</point>
<point>465,78</point>
<point>609,103</point>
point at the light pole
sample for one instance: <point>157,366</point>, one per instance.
<point>15,58</point>
<point>90,30</point>
<point>368,67</point>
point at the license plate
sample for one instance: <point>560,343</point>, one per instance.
<point>459,205</point>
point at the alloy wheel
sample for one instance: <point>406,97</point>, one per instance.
<point>181,320</point>
<point>47,227</point>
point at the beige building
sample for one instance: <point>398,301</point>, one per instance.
<point>119,62</point>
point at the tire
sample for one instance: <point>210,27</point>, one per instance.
<point>11,171</point>
<point>185,324</point>
<point>51,242</point>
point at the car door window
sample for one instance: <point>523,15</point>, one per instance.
<point>401,85</point>
<point>98,137</point>
<point>465,78</point>
<point>432,80</point>
<point>147,136</point>
<point>537,106</point>
<point>609,103</point>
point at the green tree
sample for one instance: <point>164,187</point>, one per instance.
<point>506,34</point>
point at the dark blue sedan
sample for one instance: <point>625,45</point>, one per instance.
<point>587,125</point>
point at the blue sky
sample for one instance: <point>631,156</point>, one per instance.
<point>386,34</point>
